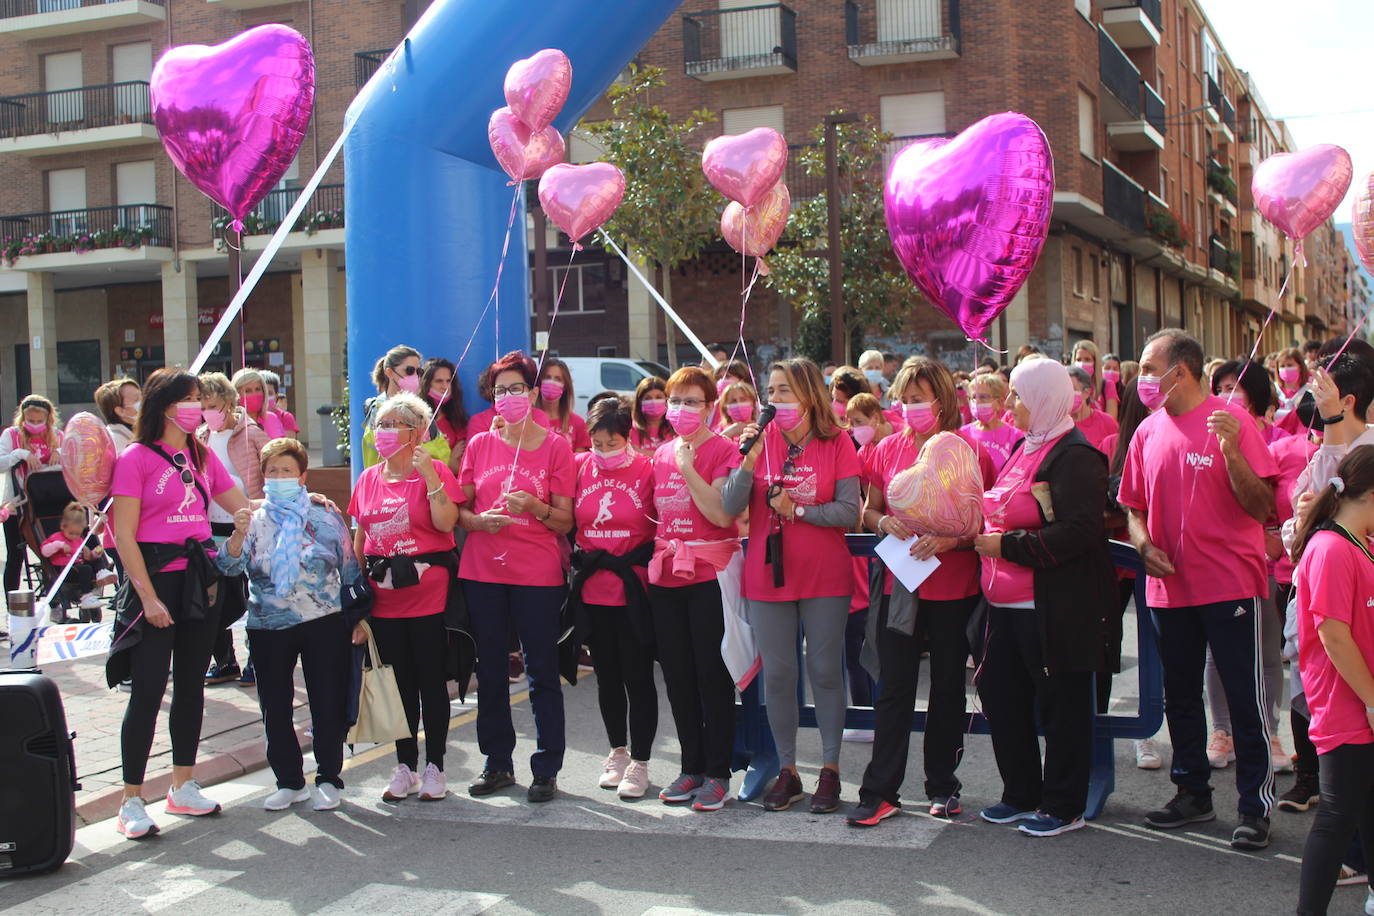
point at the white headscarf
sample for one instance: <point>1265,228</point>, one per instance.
<point>1047,391</point>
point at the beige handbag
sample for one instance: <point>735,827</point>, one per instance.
<point>381,717</point>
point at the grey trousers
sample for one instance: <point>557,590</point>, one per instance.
<point>775,631</point>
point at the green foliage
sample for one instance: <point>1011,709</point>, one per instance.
<point>1166,228</point>
<point>340,414</point>
<point>669,212</point>
<point>875,288</point>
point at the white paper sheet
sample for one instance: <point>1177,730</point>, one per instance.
<point>910,571</point>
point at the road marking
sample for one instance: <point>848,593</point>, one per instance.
<point>1126,833</point>
<point>1178,839</point>
<point>132,886</point>
<point>614,820</point>
<point>395,898</point>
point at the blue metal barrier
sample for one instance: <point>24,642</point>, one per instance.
<point>752,711</point>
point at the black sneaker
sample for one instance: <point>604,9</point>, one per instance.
<point>1305,793</point>
<point>872,815</point>
<point>543,789</point>
<point>491,781</point>
<point>1184,808</point>
<point>223,674</point>
<point>1251,833</point>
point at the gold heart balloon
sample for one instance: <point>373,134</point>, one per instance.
<point>942,493</point>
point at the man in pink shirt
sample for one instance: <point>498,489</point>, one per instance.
<point>1197,486</point>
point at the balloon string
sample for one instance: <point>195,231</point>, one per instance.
<point>501,265</point>
<point>746,290</point>
<point>983,343</point>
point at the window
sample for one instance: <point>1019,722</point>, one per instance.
<point>79,371</point>
<point>738,120</point>
<point>131,63</point>
<point>748,34</point>
<point>1077,271</point>
<point>62,72</point>
<point>67,197</point>
<point>1164,183</point>
<point>619,376</point>
<point>1087,124</point>
<point>1201,223</point>
<point>913,114</point>
<point>586,289</point>
<point>135,188</point>
<point>583,148</point>
<point>1096,275</point>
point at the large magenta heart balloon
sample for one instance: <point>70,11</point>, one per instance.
<point>537,86</point>
<point>521,153</point>
<point>1298,191</point>
<point>232,116</point>
<point>968,216</point>
<point>746,166</point>
<point>579,198</point>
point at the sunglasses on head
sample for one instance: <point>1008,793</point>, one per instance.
<point>179,459</point>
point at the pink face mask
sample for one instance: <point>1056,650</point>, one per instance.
<point>388,442</point>
<point>655,408</point>
<point>1111,376</point>
<point>685,420</point>
<point>1077,402</point>
<point>408,383</point>
<point>252,403</point>
<point>612,460</point>
<point>1147,387</point>
<point>1087,367</point>
<point>920,418</point>
<point>839,407</point>
<point>788,416</point>
<point>550,390</point>
<point>984,413</point>
<point>513,408</point>
<point>187,417</point>
<point>35,429</point>
<point>863,434</point>
<point>723,384</point>
<point>1289,375</point>
<point>437,397</point>
<point>214,419</point>
<point>740,411</point>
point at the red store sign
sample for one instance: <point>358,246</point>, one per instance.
<point>206,317</point>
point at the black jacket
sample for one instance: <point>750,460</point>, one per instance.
<point>1075,586</point>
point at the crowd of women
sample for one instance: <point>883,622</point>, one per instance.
<point>680,526</point>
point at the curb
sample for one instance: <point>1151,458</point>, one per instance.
<point>236,761</point>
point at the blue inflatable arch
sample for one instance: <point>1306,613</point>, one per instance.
<point>427,204</point>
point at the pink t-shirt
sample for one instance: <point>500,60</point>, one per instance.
<point>1335,582</point>
<point>270,423</point>
<point>55,554</point>
<point>451,436</point>
<point>814,558</point>
<point>1096,427</point>
<point>1010,506</point>
<point>526,552</point>
<point>575,431</point>
<point>170,511</point>
<point>678,516</point>
<point>481,422</point>
<point>647,445</point>
<point>286,419</point>
<point>1175,472</point>
<point>1291,455</point>
<point>999,442</point>
<point>613,511</point>
<point>957,575</point>
<point>396,522</point>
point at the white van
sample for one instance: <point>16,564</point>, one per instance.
<point>592,375</point>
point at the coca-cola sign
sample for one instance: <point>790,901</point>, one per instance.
<point>206,317</point>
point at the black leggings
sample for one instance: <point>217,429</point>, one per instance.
<point>624,680</point>
<point>183,649</point>
<point>415,647</point>
<point>15,548</point>
<point>1347,804</point>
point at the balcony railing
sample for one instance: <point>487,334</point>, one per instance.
<point>1223,259</point>
<point>1228,113</point>
<point>74,109</point>
<point>366,63</point>
<point>801,185</point>
<point>325,210</point>
<point>10,9</point>
<point>1152,106</point>
<point>747,41</point>
<point>1122,199</point>
<point>1151,8</point>
<point>900,31</point>
<point>124,226</point>
<point>1119,76</point>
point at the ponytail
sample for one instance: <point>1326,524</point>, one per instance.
<point>1354,478</point>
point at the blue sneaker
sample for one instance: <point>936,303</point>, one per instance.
<point>1002,813</point>
<point>250,677</point>
<point>1043,824</point>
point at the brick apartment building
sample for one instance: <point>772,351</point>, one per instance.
<point>1146,115</point>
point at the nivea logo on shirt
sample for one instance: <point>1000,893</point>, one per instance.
<point>1369,602</point>
<point>1196,460</point>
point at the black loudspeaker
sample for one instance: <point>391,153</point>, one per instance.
<point>37,776</point>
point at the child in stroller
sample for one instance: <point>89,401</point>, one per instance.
<point>90,567</point>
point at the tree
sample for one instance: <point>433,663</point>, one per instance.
<point>874,284</point>
<point>669,213</point>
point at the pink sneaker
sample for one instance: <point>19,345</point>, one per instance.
<point>432,785</point>
<point>188,799</point>
<point>404,782</point>
<point>134,822</point>
<point>613,770</point>
<point>1221,750</point>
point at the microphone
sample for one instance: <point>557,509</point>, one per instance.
<point>765,417</point>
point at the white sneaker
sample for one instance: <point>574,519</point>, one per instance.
<point>188,799</point>
<point>635,782</point>
<point>432,784</point>
<point>1282,762</point>
<point>1369,903</point>
<point>90,601</point>
<point>404,781</point>
<point>282,799</point>
<point>1147,755</point>
<point>858,735</point>
<point>613,770</point>
<point>326,796</point>
<point>134,822</point>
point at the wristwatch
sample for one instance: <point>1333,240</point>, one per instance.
<point>798,511</point>
<point>1329,421</point>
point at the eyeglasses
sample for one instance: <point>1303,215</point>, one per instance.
<point>394,424</point>
<point>407,370</point>
<point>517,389</point>
<point>686,402</point>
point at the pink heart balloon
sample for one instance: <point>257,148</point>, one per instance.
<point>522,154</point>
<point>579,198</point>
<point>1298,191</point>
<point>1362,222</point>
<point>744,167</point>
<point>537,87</point>
<point>232,116</point>
<point>968,216</point>
<point>88,457</point>
<point>755,230</point>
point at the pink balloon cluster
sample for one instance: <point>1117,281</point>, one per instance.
<point>522,135</point>
<point>1299,191</point>
<point>232,116</point>
<point>748,168</point>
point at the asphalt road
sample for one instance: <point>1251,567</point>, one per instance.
<point>588,852</point>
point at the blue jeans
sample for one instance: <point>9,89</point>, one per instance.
<point>533,609</point>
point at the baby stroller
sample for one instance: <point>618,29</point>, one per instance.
<point>46,495</point>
